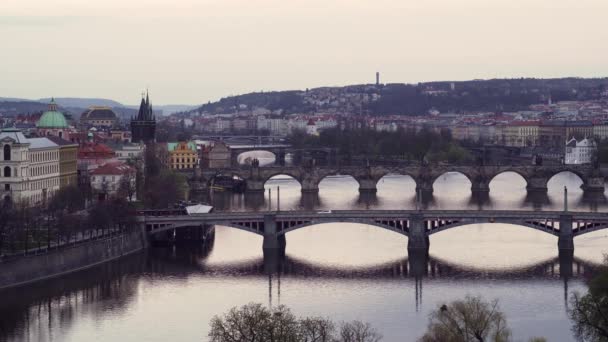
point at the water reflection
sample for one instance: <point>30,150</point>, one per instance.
<point>537,200</point>
<point>48,311</point>
<point>41,311</point>
<point>480,200</point>
<point>171,293</point>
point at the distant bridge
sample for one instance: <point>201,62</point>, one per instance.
<point>242,139</point>
<point>417,225</point>
<point>309,177</point>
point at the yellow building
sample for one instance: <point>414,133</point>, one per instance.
<point>68,162</point>
<point>521,133</point>
<point>182,155</point>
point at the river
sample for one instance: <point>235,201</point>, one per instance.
<point>342,271</point>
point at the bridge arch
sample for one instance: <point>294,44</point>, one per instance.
<point>172,226</point>
<point>263,155</point>
<point>540,225</point>
<point>471,178</point>
<point>396,181</point>
<point>360,222</point>
<point>287,173</point>
<point>563,172</point>
<point>506,172</point>
<point>326,180</point>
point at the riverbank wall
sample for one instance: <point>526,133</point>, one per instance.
<point>29,269</point>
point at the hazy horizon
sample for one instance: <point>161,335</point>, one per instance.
<point>191,52</point>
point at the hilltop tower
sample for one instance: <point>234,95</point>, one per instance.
<point>377,78</point>
<point>143,127</point>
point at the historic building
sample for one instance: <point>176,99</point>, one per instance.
<point>99,116</point>
<point>68,162</point>
<point>216,156</point>
<point>183,155</point>
<point>554,133</point>
<point>112,180</point>
<point>118,135</point>
<point>92,155</point>
<point>29,168</point>
<point>53,123</point>
<point>143,127</point>
<point>521,133</point>
<point>580,152</point>
<point>125,152</point>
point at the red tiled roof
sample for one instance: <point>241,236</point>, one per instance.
<point>94,150</point>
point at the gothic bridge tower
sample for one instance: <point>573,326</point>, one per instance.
<point>143,127</point>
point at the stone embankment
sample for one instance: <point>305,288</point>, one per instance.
<point>29,269</point>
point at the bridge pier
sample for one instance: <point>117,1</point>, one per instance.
<point>418,240</point>
<point>424,188</point>
<point>593,185</point>
<point>234,162</point>
<point>480,186</point>
<point>272,240</point>
<point>537,184</point>
<point>565,240</point>
<point>418,263</point>
<point>566,263</point>
<point>310,185</point>
<point>280,157</point>
<point>310,200</point>
<point>254,185</point>
<point>367,185</point>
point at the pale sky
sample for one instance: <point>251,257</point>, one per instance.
<point>193,51</point>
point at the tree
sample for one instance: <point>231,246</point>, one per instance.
<point>256,323</point>
<point>69,198</point>
<point>127,186</point>
<point>253,323</point>
<point>164,189</point>
<point>589,313</point>
<point>316,329</point>
<point>471,319</point>
<point>358,331</point>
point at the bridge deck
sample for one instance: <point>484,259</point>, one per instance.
<point>353,214</point>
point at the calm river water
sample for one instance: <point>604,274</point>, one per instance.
<point>343,271</point>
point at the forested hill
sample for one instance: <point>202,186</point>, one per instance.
<point>413,99</point>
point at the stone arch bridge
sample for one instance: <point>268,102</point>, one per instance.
<point>480,177</point>
<point>417,225</point>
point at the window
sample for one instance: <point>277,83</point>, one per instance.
<point>7,152</point>
<point>7,171</point>
<point>7,187</point>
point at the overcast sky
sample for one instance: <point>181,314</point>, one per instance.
<point>193,51</point>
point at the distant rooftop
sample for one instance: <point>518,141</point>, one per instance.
<point>14,134</point>
<point>41,143</point>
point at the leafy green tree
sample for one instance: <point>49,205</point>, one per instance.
<point>468,320</point>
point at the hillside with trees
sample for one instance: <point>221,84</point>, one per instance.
<point>415,99</point>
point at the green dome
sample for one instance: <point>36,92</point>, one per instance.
<point>52,119</point>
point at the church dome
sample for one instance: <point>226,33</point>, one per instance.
<point>99,113</point>
<point>52,118</point>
